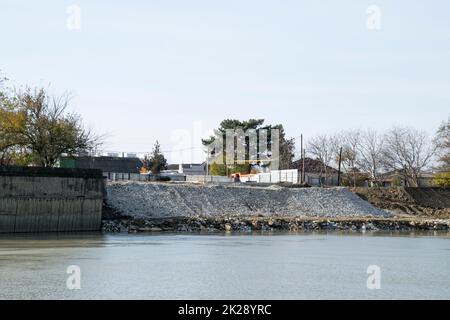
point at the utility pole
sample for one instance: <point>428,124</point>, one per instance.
<point>207,162</point>
<point>303,153</point>
<point>303,165</point>
<point>339,169</point>
<point>303,161</point>
<point>405,181</point>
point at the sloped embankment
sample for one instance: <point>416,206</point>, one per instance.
<point>164,200</point>
<point>430,202</point>
<point>438,198</point>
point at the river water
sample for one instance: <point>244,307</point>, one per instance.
<point>226,266</point>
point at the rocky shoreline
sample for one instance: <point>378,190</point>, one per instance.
<point>166,200</point>
<point>161,207</point>
<point>232,223</point>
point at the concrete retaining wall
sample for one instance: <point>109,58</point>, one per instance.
<point>41,200</point>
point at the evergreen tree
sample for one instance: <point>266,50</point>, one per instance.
<point>157,162</point>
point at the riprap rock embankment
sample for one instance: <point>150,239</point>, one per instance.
<point>167,200</point>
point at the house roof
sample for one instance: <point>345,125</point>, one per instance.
<point>313,166</point>
<point>106,164</point>
<point>395,173</point>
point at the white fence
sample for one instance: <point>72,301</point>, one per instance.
<point>114,176</point>
<point>275,176</point>
<point>204,179</point>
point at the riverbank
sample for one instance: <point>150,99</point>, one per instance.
<point>159,207</point>
<point>274,223</point>
<point>168,200</point>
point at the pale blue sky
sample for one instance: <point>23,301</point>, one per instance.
<point>147,70</point>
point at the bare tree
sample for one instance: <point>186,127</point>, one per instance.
<point>323,148</point>
<point>350,142</point>
<point>409,152</point>
<point>371,154</point>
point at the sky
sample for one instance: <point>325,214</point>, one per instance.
<point>172,70</point>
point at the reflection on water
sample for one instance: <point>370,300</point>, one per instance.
<point>312,265</point>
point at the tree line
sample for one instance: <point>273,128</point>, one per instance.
<point>367,154</point>
<point>36,129</point>
<point>362,155</point>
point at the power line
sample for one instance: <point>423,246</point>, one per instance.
<point>173,150</point>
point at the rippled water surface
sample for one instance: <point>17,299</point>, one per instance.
<point>225,266</point>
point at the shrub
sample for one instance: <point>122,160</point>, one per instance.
<point>442,179</point>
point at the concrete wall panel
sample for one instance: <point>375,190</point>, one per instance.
<point>43,200</point>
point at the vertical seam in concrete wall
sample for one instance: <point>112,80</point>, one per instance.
<point>15,215</point>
